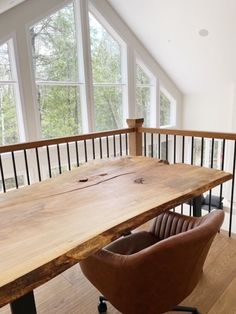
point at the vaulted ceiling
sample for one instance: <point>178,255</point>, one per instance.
<point>170,31</point>
<point>8,4</point>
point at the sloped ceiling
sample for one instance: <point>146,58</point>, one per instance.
<point>8,4</point>
<point>170,31</point>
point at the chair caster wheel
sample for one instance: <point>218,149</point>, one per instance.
<point>102,306</point>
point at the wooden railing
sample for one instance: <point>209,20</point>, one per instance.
<point>209,149</point>
<point>27,163</point>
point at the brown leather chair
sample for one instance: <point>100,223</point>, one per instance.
<point>152,272</point>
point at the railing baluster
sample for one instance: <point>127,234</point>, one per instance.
<point>174,149</point>
<point>26,167</point>
<point>145,144</point>
<point>100,146</point>
<point>183,148</point>
<point>211,165</point>
<point>59,158</point>
<point>114,145</point>
<point>222,168</point>
<point>14,168</point>
<point>232,192</point>
<point>68,156</point>
<point>49,162</point>
<point>107,140</point>
<point>159,145</point>
<point>167,147</point>
<point>183,152</point>
<point>85,151</point>
<point>192,149</point>
<point>202,151</point>
<point>93,148</point>
<point>126,143</point>
<point>38,164</point>
<point>2,175</point>
<point>120,145</point>
<point>77,153</point>
<point>152,145</point>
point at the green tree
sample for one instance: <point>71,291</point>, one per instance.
<point>165,110</point>
<point>106,67</point>
<point>8,119</point>
<point>55,60</point>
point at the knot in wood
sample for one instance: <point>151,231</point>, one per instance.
<point>139,180</point>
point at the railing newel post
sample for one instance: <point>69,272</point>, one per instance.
<point>135,138</point>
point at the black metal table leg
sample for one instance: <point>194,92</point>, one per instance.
<point>197,206</point>
<point>24,305</point>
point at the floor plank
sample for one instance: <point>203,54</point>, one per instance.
<point>71,293</point>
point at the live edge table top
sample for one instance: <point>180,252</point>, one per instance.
<point>47,227</point>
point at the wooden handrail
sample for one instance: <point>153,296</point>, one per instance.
<point>61,140</point>
<point>204,134</point>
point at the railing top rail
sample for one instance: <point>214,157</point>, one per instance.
<point>204,134</point>
<point>61,140</point>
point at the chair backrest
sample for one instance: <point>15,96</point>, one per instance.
<point>159,277</point>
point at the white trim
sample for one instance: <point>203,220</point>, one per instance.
<point>131,86</point>
<point>83,37</point>
<point>19,111</point>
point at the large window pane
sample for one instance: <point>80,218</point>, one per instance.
<point>143,95</point>
<point>54,47</point>
<point>105,54</point>
<point>8,120</point>
<point>59,110</point>
<point>141,77</point>
<point>165,110</point>
<point>5,68</point>
<point>143,103</point>
<point>108,108</point>
<point>57,74</point>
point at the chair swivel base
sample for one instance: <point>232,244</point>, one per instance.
<point>102,306</point>
<point>180,308</point>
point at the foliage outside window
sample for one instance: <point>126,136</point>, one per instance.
<point>206,155</point>
<point>143,95</point>
<point>9,132</point>
<point>107,77</point>
<point>165,110</point>
<point>55,62</point>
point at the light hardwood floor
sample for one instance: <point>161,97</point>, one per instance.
<point>71,293</point>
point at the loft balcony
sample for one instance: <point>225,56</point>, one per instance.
<point>27,163</point>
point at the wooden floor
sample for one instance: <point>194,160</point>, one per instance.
<point>71,293</point>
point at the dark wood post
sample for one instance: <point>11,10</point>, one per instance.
<point>135,138</point>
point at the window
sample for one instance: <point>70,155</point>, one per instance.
<point>144,87</point>
<point>207,157</point>
<point>106,55</point>
<point>167,109</point>
<point>55,62</point>
<point>9,95</point>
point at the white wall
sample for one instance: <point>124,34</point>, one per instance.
<point>213,110</point>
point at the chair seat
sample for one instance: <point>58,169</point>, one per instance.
<point>132,243</point>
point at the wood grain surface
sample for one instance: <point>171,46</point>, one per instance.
<point>49,226</point>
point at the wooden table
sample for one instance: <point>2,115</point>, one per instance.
<point>50,226</point>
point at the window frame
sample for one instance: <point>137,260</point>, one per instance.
<point>80,84</point>
<point>173,109</point>
<point>154,105</point>
<point>123,85</point>
<point>14,82</point>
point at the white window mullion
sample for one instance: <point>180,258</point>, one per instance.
<point>156,104</point>
<point>83,38</point>
<point>19,113</point>
<point>131,83</point>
